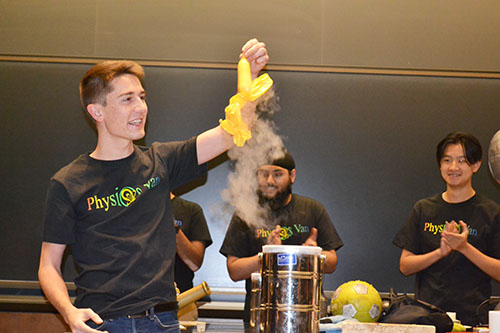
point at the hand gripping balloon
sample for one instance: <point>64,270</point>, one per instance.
<point>248,90</point>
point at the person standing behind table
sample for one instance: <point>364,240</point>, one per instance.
<point>193,237</point>
<point>293,220</point>
<point>110,205</point>
<point>451,240</point>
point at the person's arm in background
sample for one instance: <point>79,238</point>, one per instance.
<point>331,255</point>
<point>411,263</point>
<point>459,242</point>
<point>191,246</point>
<point>242,268</point>
<point>54,288</point>
<point>190,252</point>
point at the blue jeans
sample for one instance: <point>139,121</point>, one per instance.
<point>155,322</point>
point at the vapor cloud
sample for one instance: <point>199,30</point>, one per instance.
<point>264,146</point>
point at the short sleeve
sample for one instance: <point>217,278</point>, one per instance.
<point>494,243</point>
<point>59,219</point>
<point>199,228</point>
<point>408,237</point>
<point>328,238</point>
<point>237,240</point>
<point>181,161</point>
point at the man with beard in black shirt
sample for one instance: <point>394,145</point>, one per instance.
<point>293,220</point>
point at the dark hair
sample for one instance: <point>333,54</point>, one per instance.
<point>95,84</point>
<point>470,143</point>
<point>286,162</point>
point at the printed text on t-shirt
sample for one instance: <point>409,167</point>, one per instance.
<point>121,197</point>
<point>285,232</point>
<point>438,228</point>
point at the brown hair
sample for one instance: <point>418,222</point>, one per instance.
<point>95,84</point>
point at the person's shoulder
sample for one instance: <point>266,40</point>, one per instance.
<point>237,221</point>
<point>169,144</point>
<point>305,201</point>
<point>482,200</point>
<point>186,203</point>
<point>433,200</point>
<point>303,198</point>
<point>155,146</point>
<point>166,150</point>
<point>73,169</point>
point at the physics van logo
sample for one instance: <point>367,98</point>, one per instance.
<point>285,232</point>
<point>122,197</point>
<point>439,228</point>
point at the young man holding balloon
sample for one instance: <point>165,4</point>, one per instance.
<point>111,206</point>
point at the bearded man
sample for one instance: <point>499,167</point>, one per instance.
<point>292,220</point>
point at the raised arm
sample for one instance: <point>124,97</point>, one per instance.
<point>256,54</point>
<point>216,141</point>
<point>212,143</point>
<point>54,288</point>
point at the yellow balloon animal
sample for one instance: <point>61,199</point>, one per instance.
<point>248,90</point>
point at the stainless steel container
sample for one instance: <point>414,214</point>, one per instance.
<point>255,302</point>
<point>290,288</point>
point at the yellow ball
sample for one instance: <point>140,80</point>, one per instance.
<point>358,300</point>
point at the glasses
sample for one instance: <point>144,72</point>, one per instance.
<point>276,174</point>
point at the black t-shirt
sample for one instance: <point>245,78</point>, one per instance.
<point>453,283</point>
<point>117,218</point>
<point>297,219</point>
<point>189,217</point>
